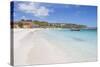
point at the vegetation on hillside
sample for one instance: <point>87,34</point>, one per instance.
<point>44,24</point>
<point>20,24</point>
<point>57,25</point>
<point>40,23</point>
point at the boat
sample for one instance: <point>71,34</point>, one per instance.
<point>75,29</point>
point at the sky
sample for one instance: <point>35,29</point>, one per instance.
<point>56,13</point>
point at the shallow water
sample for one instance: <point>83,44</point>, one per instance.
<point>79,36</point>
<point>81,44</point>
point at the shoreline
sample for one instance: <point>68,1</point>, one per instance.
<point>30,47</point>
<point>32,50</point>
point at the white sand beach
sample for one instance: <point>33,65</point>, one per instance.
<point>30,47</point>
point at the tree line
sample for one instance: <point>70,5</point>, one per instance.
<point>57,25</point>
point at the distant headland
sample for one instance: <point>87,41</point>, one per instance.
<point>44,24</point>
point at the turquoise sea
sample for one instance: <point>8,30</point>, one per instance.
<point>78,36</point>
<point>78,44</point>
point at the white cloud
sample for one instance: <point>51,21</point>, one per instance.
<point>23,17</point>
<point>34,8</point>
<point>14,14</point>
<point>42,11</point>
